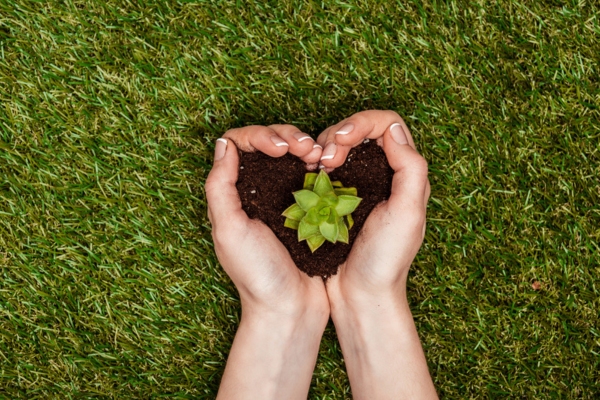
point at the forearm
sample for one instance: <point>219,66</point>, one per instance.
<point>273,357</point>
<point>381,347</point>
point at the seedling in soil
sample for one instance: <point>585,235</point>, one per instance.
<point>323,211</point>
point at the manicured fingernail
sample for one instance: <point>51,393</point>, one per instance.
<point>398,134</point>
<point>301,136</point>
<point>278,141</point>
<point>220,148</point>
<point>346,129</point>
<point>329,151</point>
<point>317,146</point>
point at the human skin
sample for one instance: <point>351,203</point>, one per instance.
<point>284,312</point>
<point>369,307</point>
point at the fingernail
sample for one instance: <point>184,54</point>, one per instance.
<point>278,141</point>
<point>220,148</point>
<point>398,134</point>
<point>346,129</point>
<point>301,136</point>
<point>317,146</point>
<point>329,151</point>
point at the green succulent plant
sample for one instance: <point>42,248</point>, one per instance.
<point>322,210</point>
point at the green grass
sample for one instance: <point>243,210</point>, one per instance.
<point>109,285</point>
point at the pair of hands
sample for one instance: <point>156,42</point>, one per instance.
<point>370,286</point>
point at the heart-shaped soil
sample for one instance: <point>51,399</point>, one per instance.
<point>265,185</point>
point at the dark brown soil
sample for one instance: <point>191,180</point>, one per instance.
<point>266,184</point>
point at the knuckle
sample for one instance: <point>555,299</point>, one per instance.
<point>239,136</point>
<point>323,136</point>
<point>393,115</point>
<point>366,114</point>
<point>232,133</point>
<point>282,127</point>
<point>211,184</point>
<point>420,166</point>
<point>362,118</point>
<point>215,188</point>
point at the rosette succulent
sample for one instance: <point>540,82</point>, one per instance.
<point>322,210</point>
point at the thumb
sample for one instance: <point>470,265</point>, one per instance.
<point>221,193</point>
<point>410,183</point>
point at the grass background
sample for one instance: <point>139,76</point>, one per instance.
<point>109,110</point>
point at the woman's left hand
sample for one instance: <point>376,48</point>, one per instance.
<point>284,312</point>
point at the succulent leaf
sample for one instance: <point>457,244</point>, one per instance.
<point>309,180</point>
<point>313,217</point>
<point>345,191</point>
<point>347,204</point>
<point>329,200</point>
<point>306,199</point>
<point>322,211</point>
<point>329,231</point>
<point>325,211</point>
<point>343,235</point>
<point>291,223</point>
<point>315,242</point>
<point>322,184</point>
<point>333,216</point>
<point>306,230</point>
<point>350,221</point>
<point>294,212</point>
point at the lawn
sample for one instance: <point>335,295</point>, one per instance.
<point>109,110</point>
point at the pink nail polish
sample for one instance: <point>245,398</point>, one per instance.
<point>278,141</point>
<point>346,129</point>
<point>398,134</point>
<point>329,151</point>
<point>220,148</point>
<point>301,136</point>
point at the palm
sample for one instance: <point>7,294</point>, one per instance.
<point>393,233</point>
<point>255,260</point>
<point>372,260</point>
<point>260,264</point>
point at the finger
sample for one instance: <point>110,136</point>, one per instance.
<point>425,200</point>
<point>223,200</point>
<point>410,183</point>
<point>338,140</point>
<point>315,154</point>
<point>301,144</point>
<point>333,154</point>
<point>427,194</point>
<point>256,137</point>
<point>370,124</point>
<point>323,137</point>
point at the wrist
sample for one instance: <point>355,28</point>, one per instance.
<point>347,300</point>
<point>383,355</point>
<point>306,305</point>
<point>279,350</point>
<point>286,321</point>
